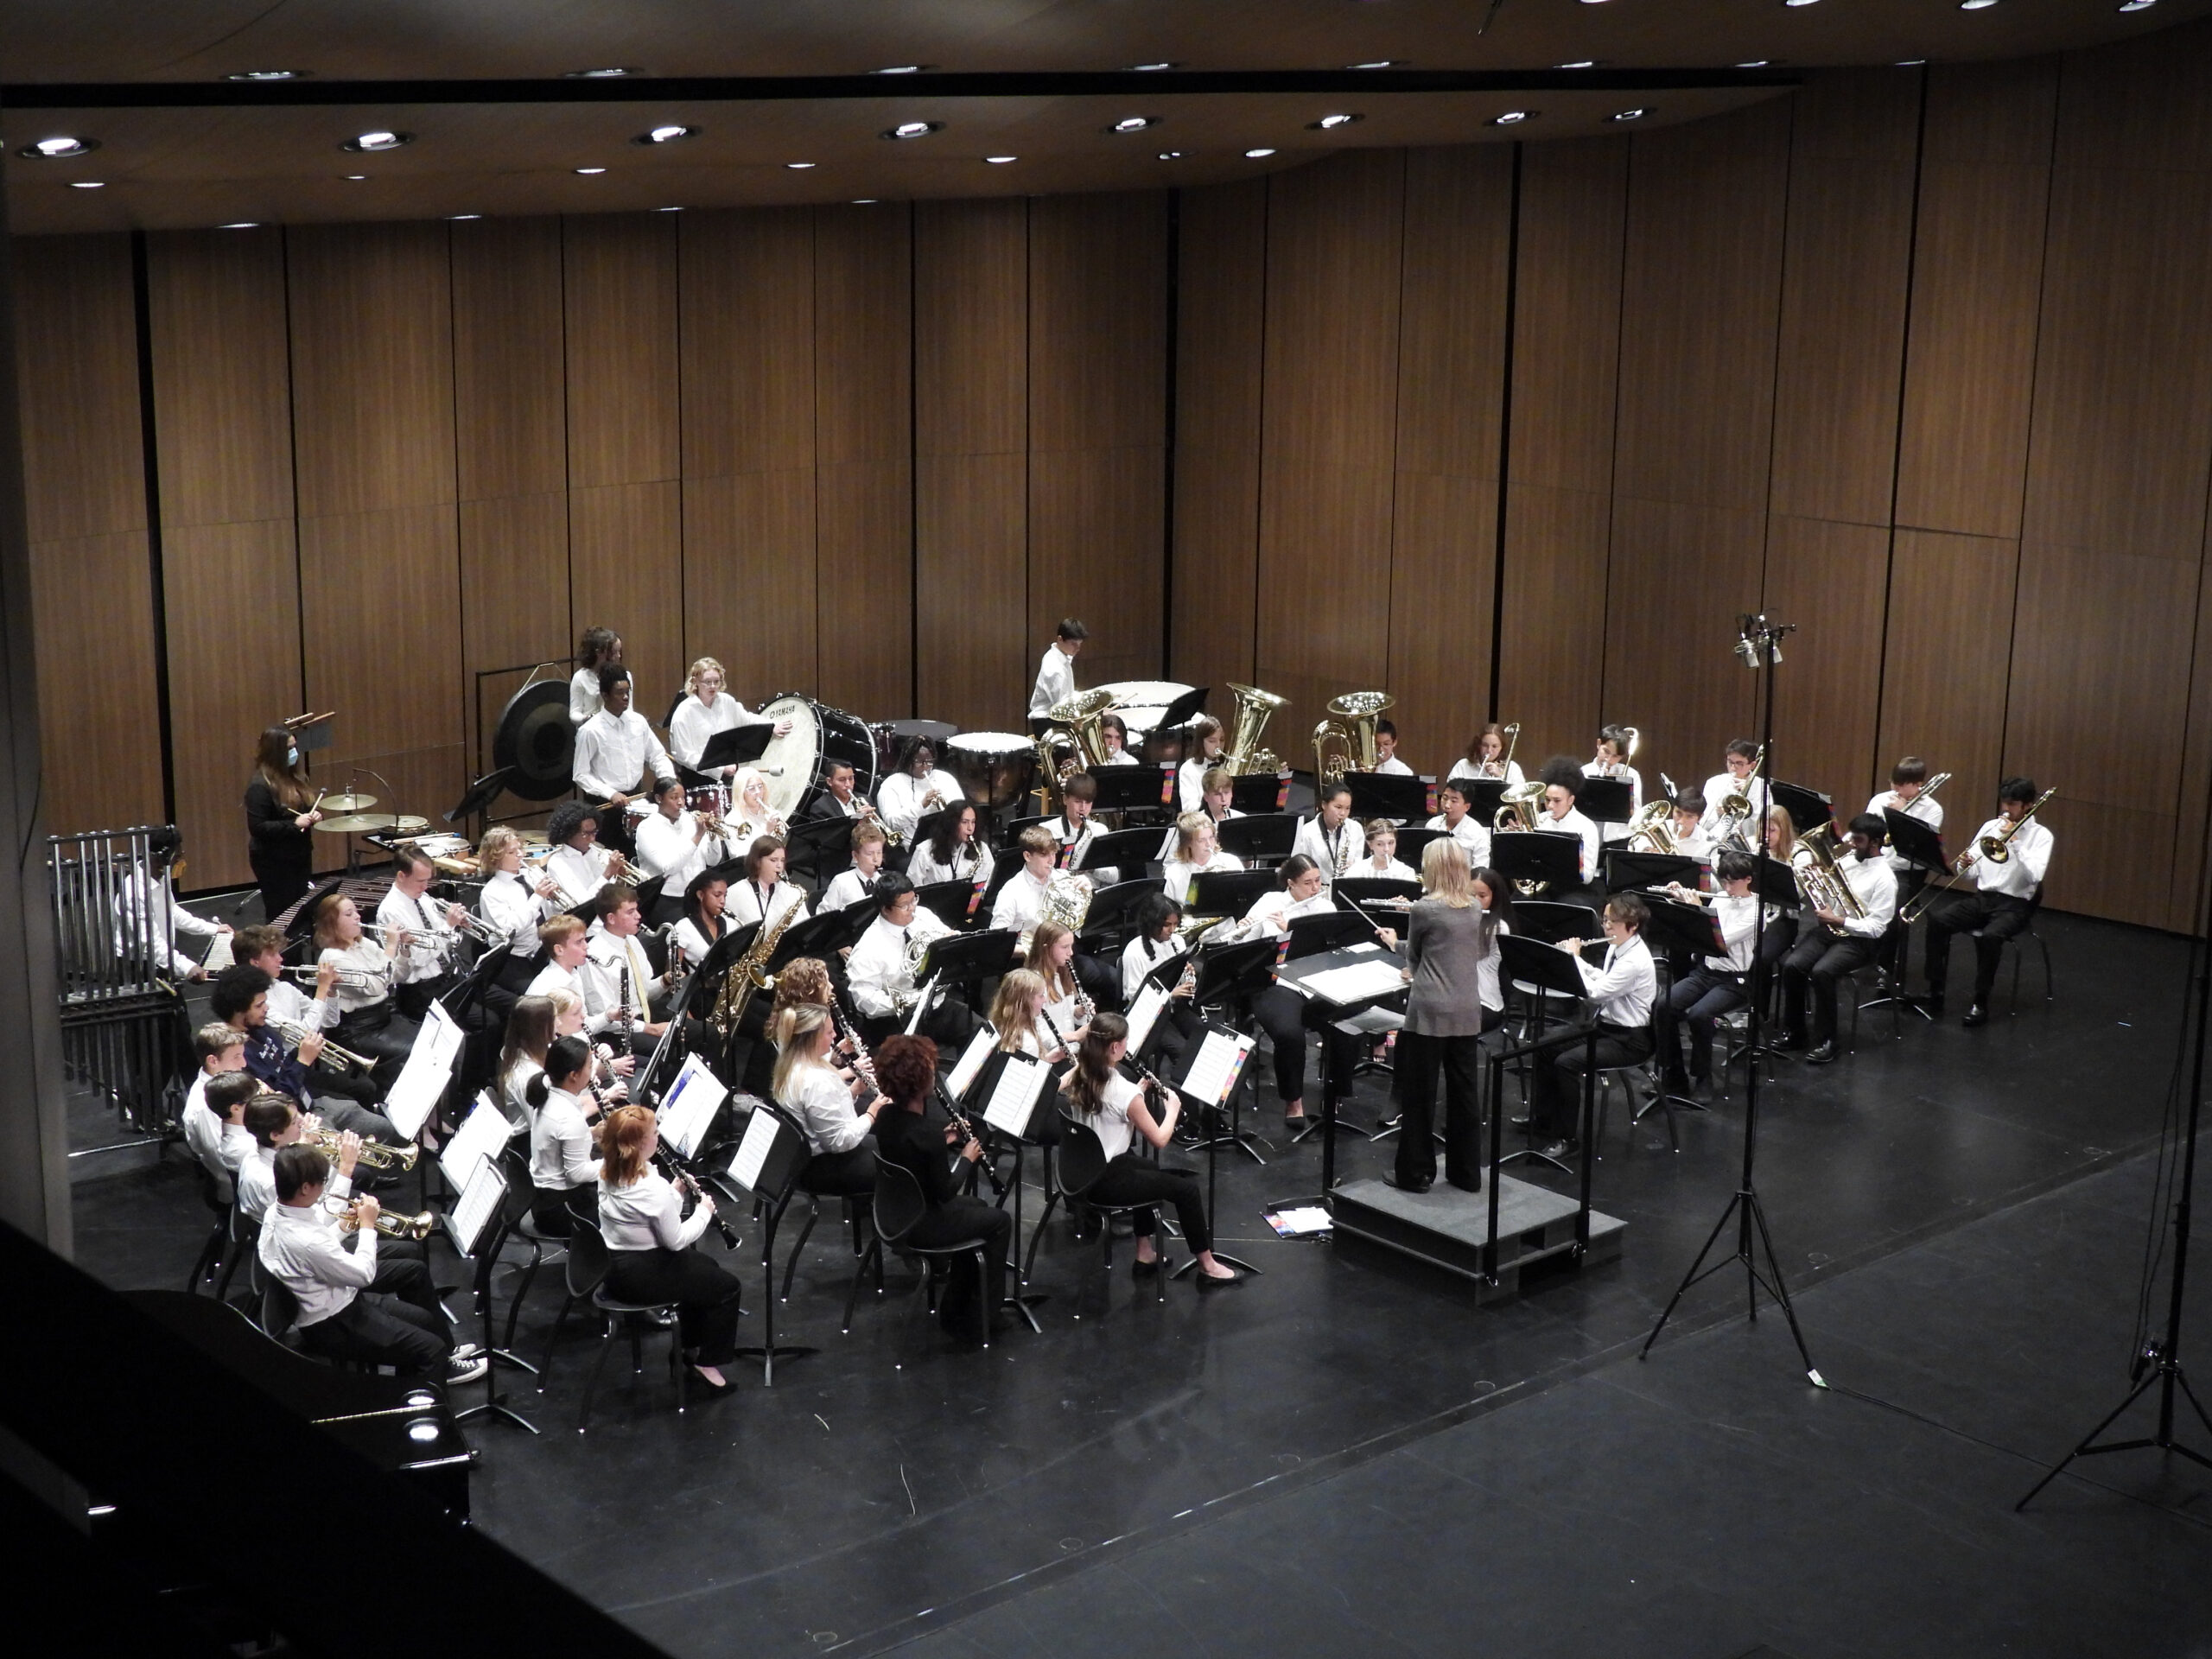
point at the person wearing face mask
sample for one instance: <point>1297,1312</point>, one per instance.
<point>280,821</point>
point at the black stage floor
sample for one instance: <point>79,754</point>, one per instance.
<point>1348,1453</point>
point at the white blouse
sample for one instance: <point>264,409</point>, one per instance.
<point>511,903</point>
<point>648,1214</point>
<point>1465,768</point>
<point>1111,1122</point>
<point>363,960</point>
<point>971,862</point>
<point>1140,956</point>
<point>823,1102</point>
<point>899,798</point>
<point>560,1144</point>
<point>693,723</point>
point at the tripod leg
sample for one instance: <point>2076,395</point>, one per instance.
<point>1691,1277</point>
<point>2085,1444</point>
<point>1782,1294</point>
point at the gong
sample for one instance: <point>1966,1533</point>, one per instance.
<point>535,741</point>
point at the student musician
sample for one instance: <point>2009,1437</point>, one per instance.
<point>563,1174</point>
<point>752,815</point>
<point>764,896</point>
<point>367,1302</point>
<point>849,887</point>
<point>147,925</point>
<point>1718,984</point>
<point>1017,1020</point>
<point>427,968</point>
<point>280,821</point>
<point>706,712</point>
<point>617,960</point>
<point>1114,732</point>
<point>1486,757</point>
<point>1735,780</point>
<point>579,866</point>
<point>514,900</point>
<point>1381,862</point>
<point>1216,790</point>
<point>1621,991</point>
<point>1495,895</point>
<point>1461,824</point>
<point>1074,830</point>
<point>1020,900</point>
<point>2000,902</point>
<point>650,1244</point>
<point>1832,945</point>
<point>218,1050</point>
<point>1610,762</point>
<point>1056,673</point>
<point>839,799</point>
<point>1158,940</point>
<point>1197,852</point>
<point>1559,817</point>
<point>1386,751</point>
<point>880,974</point>
<point>1191,776</point>
<point>273,1123</point>
<point>1282,1012</point>
<point>241,1002</point>
<point>1783,922</point>
<point>1116,1111</point>
<point>1907,794</point>
<point>214,1125</point>
<point>598,650</point>
<point>905,1135</point>
<point>918,788</point>
<point>837,1110</point>
<point>368,1020</point>
<point>522,1055</point>
<point>1446,942</point>
<point>1052,957</point>
<point>1329,837</point>
<point>674,843</point>
<point>263,948</point>
<point>618,758</point>
<point>1688,825</point>
<point>953,852</point>
<point>705,918</point>
<point>567,952</point>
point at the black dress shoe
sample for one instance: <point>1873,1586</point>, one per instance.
<point>1520,1122</point>
<point>1558,1149</point>
<point>1824,1055</point>
<point>1976,1015</point>
<point>1145,1269</point>
<point>1390,1178</point>
<point>1475,1186</point>
<point>1790,1042</point>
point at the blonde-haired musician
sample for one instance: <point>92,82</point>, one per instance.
<point>1197,852</point>
<point>706,712</point>
<point>513,901</point>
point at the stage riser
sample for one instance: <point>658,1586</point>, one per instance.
<point>1447,1228</point>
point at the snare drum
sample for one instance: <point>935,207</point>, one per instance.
<point>996,768</point>
<point>820,737</point>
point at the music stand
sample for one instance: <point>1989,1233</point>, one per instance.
<point>1226,974</point>
<point>767,1161</point>
<point>736,746</point>
<point>479,1213</point>
<point>1678,929</point>
<point>481,795</point>
<point>1607,800</point>
<point>1007,840</point>
<point>1259,835</point>
<point>1921,847</point>
<point>946,900</point>
<point>1391,795</point>
<point>1538,856</point>
<point>1624,869</point>
<point>1125,849</point>
<point>1528,960</point>
<point>1775,882</point>
<point>1230,893</point>
<point>1114,909</point>
<point>1316,947</point>
<point>822,935</point>
<point>823,846</point>
<point>1177,1078</point>
<point>977,1101</point>
<point>303,922</point>
<point>965,958</point>
<point>1547,921</point>
<point>1806,807</point>
<point>1484,796</point>
<point>1329,930</point>
<point>1133,789</point>
<point>1257,793</point>
<point>1412,842</point>
<point>1182,711</point>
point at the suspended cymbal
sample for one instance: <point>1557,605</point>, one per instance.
<point>408,824</point>
<point>333,804</point>
<point>359,823</point>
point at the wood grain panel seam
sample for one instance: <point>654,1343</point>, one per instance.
<point>1613,443</point>
<point>1774,375</point>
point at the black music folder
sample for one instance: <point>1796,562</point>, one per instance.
<point>1390,795</point>
<point>1128,789</point>
<point>1607,800</point>
<point>739,745</point>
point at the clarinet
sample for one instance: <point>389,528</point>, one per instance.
<point>681,1179</point>
<point>960,1121</point>
<point>849,1034</point>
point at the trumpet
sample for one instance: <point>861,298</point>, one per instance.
<point>352,978</point>
<point>337,1059</point>
<point>481,930</point>
<point>374,1155</point>
<point>417,1226</point>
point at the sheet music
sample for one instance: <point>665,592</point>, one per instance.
<point>971,1062</point>
<point>1356,982</point>
<point>479,1202</point>
<point>430,1067</point>
<point>1013,1101</point>
<point>690,1106</point>
<point>753,1151</point>
<point>219,955</point>
<point>480,1140</point>
<point>1220,1063</point>
<point>1144,1013</point>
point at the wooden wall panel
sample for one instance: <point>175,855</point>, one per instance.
<point>2185,906</point>
<point>1335,231</point>
<point>1565,375</point>
<point>509,399</point>
<point>972,423</point>
<point>864,532</point>
<point>1949,651</point>
<point>625,547</point>
<point>1097,347</point>
<point>749,580</point>
<point>1221,291</point>
<point>1985,186</point>
<point>381,605</point>
<point>1672,600</point>
<point>99,716</point>
<point>1831,580</point>
<point>1451,396</point>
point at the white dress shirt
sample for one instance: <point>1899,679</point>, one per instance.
<point>1471,835</point>
<point>1874,884</point>
<point>1465,768</point>
<point>1624,988</point>
<point>614,754</point>
<point>878,964</point>
<point>693,723</point>
<point>849,887</point>
<point>1055,682</point>
<point>1190,782</point>
<point>1260,921</point>
<point>823,1102</point>
<point>1715,823</point>
<point>510,902</point>
<point>1574,824</point>
<point>1075,843</point>
<point>579,875</point>
<point>368,968</point>
<point>257,1180</point>
<point>971,861</point>
<point>221,1147</point>
<point>1335,850</point>
<point>287,1002</point>
<point>1922,806</point>
<point>672,850</point>
<point>425,917</point>
<point>899,797</point>
<point>1739,922</point>
<point>1490,990</point>
<point>692,940</point>
<point>138,925</point>
<point>584,986</point>
<point>1140,956</point>
<point>1110,1124</point>
<point>1389,870</point>
<point>607,956</point>
<point>305,1252</point>
<point>648,1214</point>
<point>560,1144</point>
<point>514,1089</point>
<point>1121,758</point>
<point>1393,768</point>
<point>583,695</point>
<point>1020,902</point>
<point>745,906</point>
<point>1180,874</point>
<point>2021,873</point>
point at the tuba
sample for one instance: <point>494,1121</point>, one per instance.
<point>1346,740</point>
<point>1517,807</point>
<point>1073,740</point>
<point>1243,755</point>
<point>1819,878</point>
<point>1650,832</point>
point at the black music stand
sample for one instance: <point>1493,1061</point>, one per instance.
<point>1113,910</point>
<point>1412,842</point>
<point>481,793</point>
<point>1691,930</point>
<point>1125,849</point>
<point>969,958</point>
<point>1230,893</point>
<point>303,922</point>
<point>1806,807</point>
<point>775,1151</point>
<point>821,936</point>
<point>1529,960</point>
<point>949,901</point>
<point>823,846</point>
<point>1607,800</point>
<point>1227,974</point>
<point>925,828</point>
<point>1182,711</point>
<point>975,1102</point>
<point>1140,788</point>
<point>1484,796</point>
<point>736,746</point>
<point>1318,944</point>
<point>1547,921</point>
<point>1257,793</point>
<point>487,1201</point>
<point>1006,839</point>
<point>1625,870</point>
<point>1921,847</point>
<point>1541,855</point>
<point>1180,1074</point>
<point>1259,835</point>
<point>1391,795</point>
<point>1534,1049</point>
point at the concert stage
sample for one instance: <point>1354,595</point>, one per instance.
<point>1448,1227</point>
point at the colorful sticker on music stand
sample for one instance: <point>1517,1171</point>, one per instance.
<point>976,894</point>
<point>1167,784</point>
<point>1282,791</point>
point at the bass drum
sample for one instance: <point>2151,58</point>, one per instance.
<point>997,769</point>
<point>820,737</point>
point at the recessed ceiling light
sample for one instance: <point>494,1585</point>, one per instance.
<point>905,69</point>
<point>1379,63</point>
<point>1257,155</point>
<point>357,178</point>
<point>1628,115</point>
<point>380,140</point>
<point>1512,118</point>
<point>1171,155</point>
<point>588,170</point>
<point>1753,63</point>
<point>1911,63</point>
<point>464,215</point>
<point>241,225</point>
<point>665,135</point>
<point>270,74</point>
<point>863,201</point>
<point>2137,5</point>
<point>1135,124</point>
<point>1582,63</point>
<point>1147,68</point>
<point>88,184</point>
<point>799,167</point>
<point>1331,122</point>
<point>1976,5</point>
<point>912,130</point>
<point>668,210</point>
<point>1799,2</point>
<point>1000,161</point>
<point>58,149</point>
<point>600,74</point>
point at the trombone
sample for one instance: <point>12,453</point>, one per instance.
<point>337,1059</point>
<point>417,1226</point>
<point>1996,848</point>
<point>373,1154</point>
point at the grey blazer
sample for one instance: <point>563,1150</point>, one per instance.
<point>1444,945</point>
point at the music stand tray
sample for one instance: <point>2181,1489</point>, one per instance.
<point>1692,929</point>
<point>1914,842</point>
<point>947,901</point>
<point>1412,842</point>
<point>1391,795</point>
<point>1259,835</point>
<point>1776,883</point>
<point>736,746</point>
<point>1607,800</point>
<point>1125,849</point>
<point>1132,789</point>
<point>1625,869</point>
<point>481,794</point>
<point>1231,892</point>
<point>1806,807</point>
<point>1259,792</point>
<point>962,958</point>
<point>1484,796</point>
<point>1538,856</point>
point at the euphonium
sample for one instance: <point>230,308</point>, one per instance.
<point>1652,828</point>
<point>416,1226</point>
<point>1819,877</point>
<point>1243,755</point>
<point>373,1153</point>
<point>1736,803</point>
<point>1517,807</point>
<point>1346,740</point>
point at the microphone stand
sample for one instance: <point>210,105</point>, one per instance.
<point>1759,644</point>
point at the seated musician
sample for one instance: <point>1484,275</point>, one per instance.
<point>560,1109</point>
<point>1017,1020</point>
<point>219,1050</point>
<point>1688,825</point>
<point>752,816</point>
<point>1160,938</point>
<point>612,953</point>
<point>262,947</point>
<point>836,1109</point>
<point>764,896</point>
<point>1382,862</point>
<point>359,1298</point>
<point>143,920</point>
<point>1717,985</point>
<point>1191,776</point>
<point>1462,825</point>
<point>241,1002</point>
<point>1735,780</point>
<point>1056,673</point>
<point>1563,782</point>
<point>706,902</point>
<point>1020,898</point>
<point>618,758</point>
<point>1783,922</point>
<point>650,1240</point>
<point>1621,991</point>
<point>2000,902</point>
<point>918,787</point>
<point>275,1123</point>
<point>674,843</point>
<point>567,951</point>
<point>1074,830</point>
<point>1197,852</point>
<point>368,1020</point>
<point>1052,957</point>
<point>515,901</point>
<point>1386,751</point>
<point>1282,1012</point>
<point>1114,732</point>
<point>522,1054</point>
<point>880,972</point>
<point>849,887</point>
<point>953,853</point>
<point>838,798</point>
<point>706,712</point>
<point>905,1135</point>
<point>1840,944</point>
<point>598,649</point>
<point>1611,761</point>
<point>1486,756</point>
<point>215,1121</point>
<point>427,969</point>
<point>1116,1110</point>
<point>579,866</point>
<point>1907,794</point>
<point>1328,838</point>
<point>1216,790</point>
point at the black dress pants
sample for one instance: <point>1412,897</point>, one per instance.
<point>1817,961</point>
<point>706,1297</point>
<point>1997,916</point>
<point>1697,999</point>
<point>1131,1179</point>
<point>395,1322</point>
<point>1897,942</point>
<point>1555,1113</point>
<point>1287,1017</point>
<point>849,1174</point>
<point>1418,1059</point>
<point>965,1309</point>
